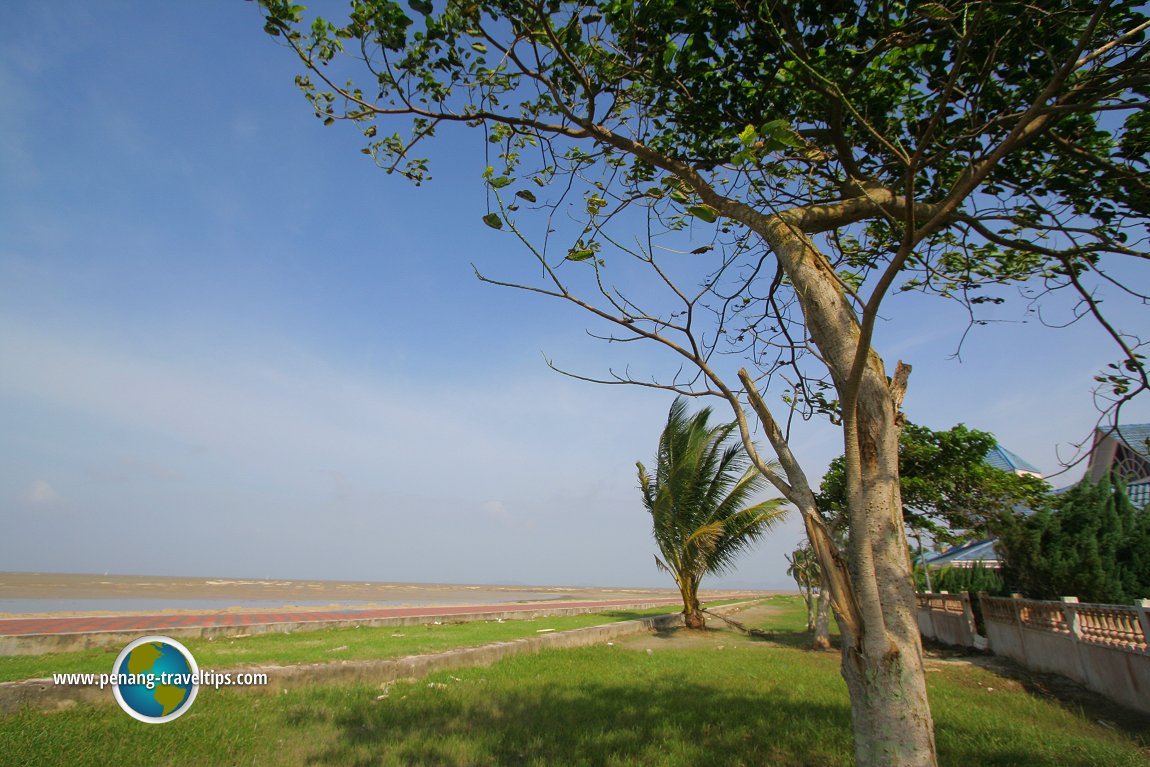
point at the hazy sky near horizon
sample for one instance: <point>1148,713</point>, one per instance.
<point>229,345</point>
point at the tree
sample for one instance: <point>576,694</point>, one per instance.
<point>804,568</point>
<point>1091,543</point>
<point>762,177</point>
<point>948,490</point>
<point>697,502</point>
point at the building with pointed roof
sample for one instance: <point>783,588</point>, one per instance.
<point>1001,458</point>
<point>1124,453</point>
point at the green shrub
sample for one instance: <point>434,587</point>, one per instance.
<point>1092,544</point>
<point>978,577</point>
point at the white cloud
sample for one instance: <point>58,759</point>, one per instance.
<point>499,513</point>
<point>41,493</point>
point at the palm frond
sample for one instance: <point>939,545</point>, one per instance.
<point>700,496</point>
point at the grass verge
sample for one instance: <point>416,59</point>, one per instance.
<point>322,646</point>
<point>719,697</point>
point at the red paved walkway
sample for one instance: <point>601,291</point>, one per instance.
<point>89,624</point>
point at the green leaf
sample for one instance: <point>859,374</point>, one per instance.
<point>500,182</point>
<point>748,136</point>
<point>781,134</point>
<point>420,6</point>
<point>526,194</point>
<point>580,255</point>
<point>704,213</point>
<point>479,47</point>
<point>853,280</point>
<point>493,220</point>
<point>936,11</point>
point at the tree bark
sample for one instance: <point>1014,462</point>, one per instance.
<point>808,600</point>
<point>822,640</point>
<point>889,716</point>
<point>883,668</point>
<point>812,608</point>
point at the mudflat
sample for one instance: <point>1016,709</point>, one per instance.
<point>52,586</point>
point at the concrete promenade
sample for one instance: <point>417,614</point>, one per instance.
<point>23,636</point>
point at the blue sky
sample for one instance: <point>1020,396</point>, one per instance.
<point>229,345</point>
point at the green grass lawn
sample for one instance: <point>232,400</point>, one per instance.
<point>724,699</point>
<point>325,645</point>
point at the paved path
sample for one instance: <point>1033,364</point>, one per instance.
<point>107,623</point>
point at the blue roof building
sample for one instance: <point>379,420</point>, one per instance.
<point>1001,458</point>
<point>1123,452</point>
<point>967,554</point>
<point>982,551</point>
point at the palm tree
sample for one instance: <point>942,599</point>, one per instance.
<point>697,500</point>
<point>804,568</point>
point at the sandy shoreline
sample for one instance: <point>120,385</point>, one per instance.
<point>320,594</point>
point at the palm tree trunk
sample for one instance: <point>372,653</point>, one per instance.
<point>692,611</point>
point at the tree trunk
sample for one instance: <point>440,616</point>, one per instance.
<point>922,560</point>
<point>889,714</point>
<point>810,603</point>
<point>822,640</point>
<point>883,667</point>
<point>692,611</point>
<point>881,648</point>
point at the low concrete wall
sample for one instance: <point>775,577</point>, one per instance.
<point>947,618</point>
<point>41,644</point>
<point>44,694</point>
<point>1121,676</point>
<point>1006,640</point>
<point>1103,647</point>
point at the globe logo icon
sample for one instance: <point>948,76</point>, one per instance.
<point>155,679</point>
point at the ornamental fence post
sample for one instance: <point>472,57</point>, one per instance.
<point>1070,613</point>
<point>1142,607</point>
<point>968,619</point>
